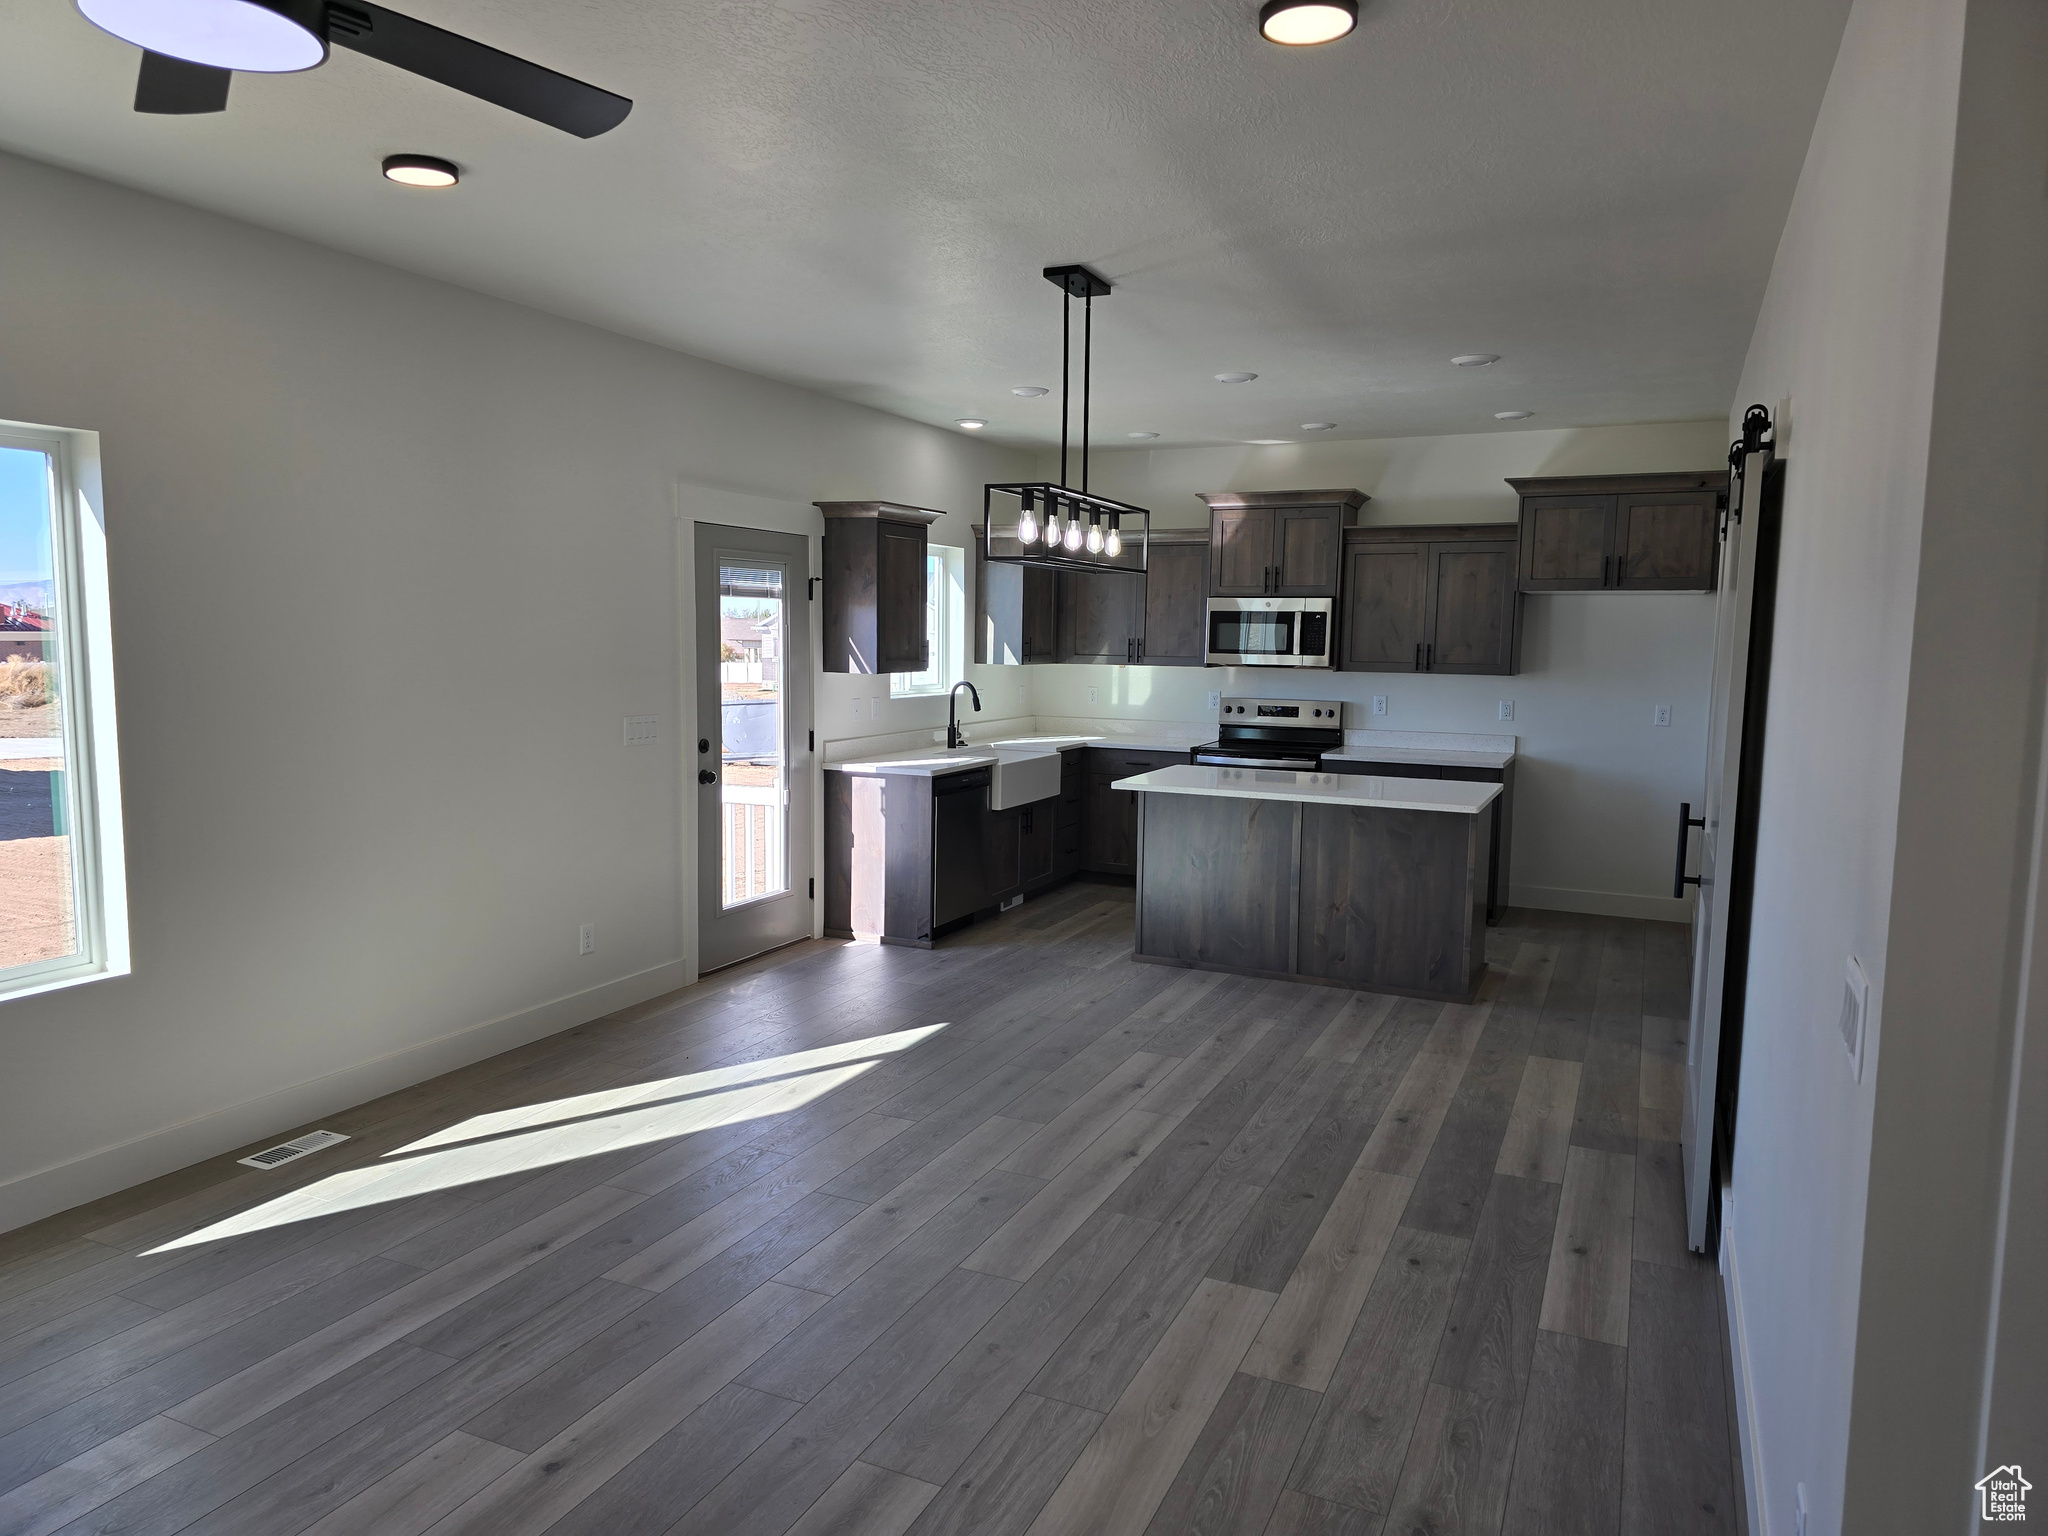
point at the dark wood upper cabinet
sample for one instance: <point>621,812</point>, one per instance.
<point>1176,602</point>
<point>1101,615</point>
<point>1386,607</point>
<point>1474,609</point>
<point>874,586</point>
<point>1435,598</point>
<point>1666,541</point>
<point>1018,608</point>
<point>1621,533</point>
<point>1278,543</point>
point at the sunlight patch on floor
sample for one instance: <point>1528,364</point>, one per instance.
<point>542,1135</point>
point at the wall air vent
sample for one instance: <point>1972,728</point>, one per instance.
<point>291,1151</point>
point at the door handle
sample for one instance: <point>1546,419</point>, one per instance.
<point>1679,878</point>
<point>706,776</point>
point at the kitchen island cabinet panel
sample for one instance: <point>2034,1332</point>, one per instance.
<point>1210,869</point>
<point>1393,899</point>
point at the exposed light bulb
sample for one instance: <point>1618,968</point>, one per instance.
<point>1052,523</point>
<point>1027,527</point>
<point>1094,537</point>
<point>1072,537</point>
<point>1113,544</point>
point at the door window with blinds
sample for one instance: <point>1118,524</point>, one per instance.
<point>754,731</point>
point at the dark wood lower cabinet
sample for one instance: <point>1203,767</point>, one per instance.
<point>1501,838</point>
<point>908,857</point>
<point>1379,899</point>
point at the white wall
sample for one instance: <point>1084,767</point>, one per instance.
<point>390,562</point>
<point>1899,770</point>
<point>1598,784</point>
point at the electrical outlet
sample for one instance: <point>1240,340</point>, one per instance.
<point>875,708</point>
<point>1379,703</point>
<point>856,708</point>
<point>1507,709</point>
<point>1023,694</point>
<point>1092,692</point>
<point>1663,715</point>
<point>1215,698</point>
<point>586,939</point>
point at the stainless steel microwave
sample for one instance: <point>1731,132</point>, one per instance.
<point>1269,631</point>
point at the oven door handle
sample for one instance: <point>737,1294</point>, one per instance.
<point>1219,760</point>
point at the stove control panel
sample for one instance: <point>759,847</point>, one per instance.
<point>1311,714</point>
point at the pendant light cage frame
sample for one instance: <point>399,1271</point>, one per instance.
<point>1030,510</point>
<point>1003,508</point>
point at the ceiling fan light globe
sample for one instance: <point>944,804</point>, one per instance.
<point>257,37</point>
<point>1304,23</point>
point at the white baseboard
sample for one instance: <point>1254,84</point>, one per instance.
<point>46,1191</point>
<point>1558,898</point>
<point>1750,1448</point>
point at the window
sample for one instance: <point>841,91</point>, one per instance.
<point>62,903</point>
<point>945,625</point>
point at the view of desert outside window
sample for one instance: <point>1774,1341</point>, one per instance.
<point>38,918</point>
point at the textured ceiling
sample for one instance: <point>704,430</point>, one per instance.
<point>858,195</point>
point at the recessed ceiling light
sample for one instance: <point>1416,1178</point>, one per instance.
<point>258,38</point>
<point>1029,391</point>
<point>971,423</point>
<point>1512,415</point>
<point>1476,359</point>
<point>1301,23</point>
<point>1141,434</point>
<point>1235,378</point>
<point>420,171</point>
<point>1319,426</point>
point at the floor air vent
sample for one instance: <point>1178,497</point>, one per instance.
<point>290,1151</point>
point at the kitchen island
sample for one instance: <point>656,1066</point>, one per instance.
<point>1345,879</point>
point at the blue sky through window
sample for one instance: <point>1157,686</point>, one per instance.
<point>24,516</point>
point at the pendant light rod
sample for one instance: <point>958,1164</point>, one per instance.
<point>1076,282</point>
<point>1087,377</point>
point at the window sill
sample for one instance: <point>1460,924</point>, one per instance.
<point>58,980</point>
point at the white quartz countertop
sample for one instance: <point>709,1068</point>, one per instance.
<point>1435,756</point>
<point>937,760</point>
<point>1363,791</point>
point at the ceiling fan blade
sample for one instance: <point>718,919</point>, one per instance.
<point>176,87</point>
<point>473,67</point>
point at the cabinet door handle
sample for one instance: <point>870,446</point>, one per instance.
<point>1418,655</point>
<point>1429,657</point>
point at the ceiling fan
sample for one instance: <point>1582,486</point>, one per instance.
<point>192,47</point>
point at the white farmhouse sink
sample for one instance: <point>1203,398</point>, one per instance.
<point>1019,778</point>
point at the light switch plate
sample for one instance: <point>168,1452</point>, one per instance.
<point>1662,716</point>
<point>1379,703</point>
<point>1855,1020</point>
<point>641,730</point>
<point>856,708</point>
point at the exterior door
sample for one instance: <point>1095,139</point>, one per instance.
<point>1720,905</point>
<point>752,762</point>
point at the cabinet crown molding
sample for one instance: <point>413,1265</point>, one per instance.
<point>1578,485</point>
<point>1230,501</point>
<point>894,511</point>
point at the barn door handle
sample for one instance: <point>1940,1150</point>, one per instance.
<point>1679,878</point>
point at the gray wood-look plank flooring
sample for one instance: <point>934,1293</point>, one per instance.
<point>1009,1236</point>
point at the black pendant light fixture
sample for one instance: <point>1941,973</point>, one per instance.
<point>1055,523</point>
